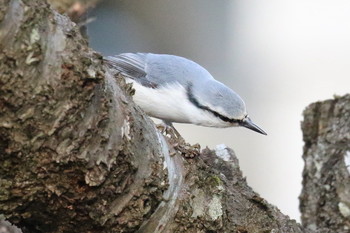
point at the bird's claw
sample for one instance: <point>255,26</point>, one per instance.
<point>177,142</point>
<point>169,131</point>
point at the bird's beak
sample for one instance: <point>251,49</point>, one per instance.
<point>248,123</point>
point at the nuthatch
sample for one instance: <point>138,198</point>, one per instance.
<point>175,89</point>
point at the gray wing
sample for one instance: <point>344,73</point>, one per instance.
<point>154,70</point>
<point>131,65</point>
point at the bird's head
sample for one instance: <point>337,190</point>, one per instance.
<point>224,104</point>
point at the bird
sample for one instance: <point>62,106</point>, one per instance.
<point>178,90</point>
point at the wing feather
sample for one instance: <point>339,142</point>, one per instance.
<point>131,65</point>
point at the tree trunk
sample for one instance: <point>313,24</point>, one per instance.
<point>78,156</point>
<point>325,199</point>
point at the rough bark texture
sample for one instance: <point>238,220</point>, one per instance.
<point>78,156</point>
<point>325,199</point>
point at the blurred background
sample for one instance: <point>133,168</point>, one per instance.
<point>279,56</point>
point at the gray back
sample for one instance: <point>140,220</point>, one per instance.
<point>156,70</point>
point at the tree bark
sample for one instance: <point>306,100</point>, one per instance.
<point>78,156</point>
<point>325,199</point>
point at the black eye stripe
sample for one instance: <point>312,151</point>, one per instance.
<point>194,101</point>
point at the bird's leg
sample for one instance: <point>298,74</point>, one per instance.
<point>171,135</point>
<point>170,129</point>
<point>167,128</point>
<point>178,142</point>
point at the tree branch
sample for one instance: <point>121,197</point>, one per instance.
<point>325,199</point>
<point>75,150</point>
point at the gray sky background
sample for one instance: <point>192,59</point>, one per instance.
<point>278,55</point>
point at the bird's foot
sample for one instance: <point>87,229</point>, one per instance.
<point>168,130</point>
<point>178,143</point>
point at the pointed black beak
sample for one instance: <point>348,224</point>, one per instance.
<point>248,123</point>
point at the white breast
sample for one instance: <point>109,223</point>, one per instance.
<point>171,103</point>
